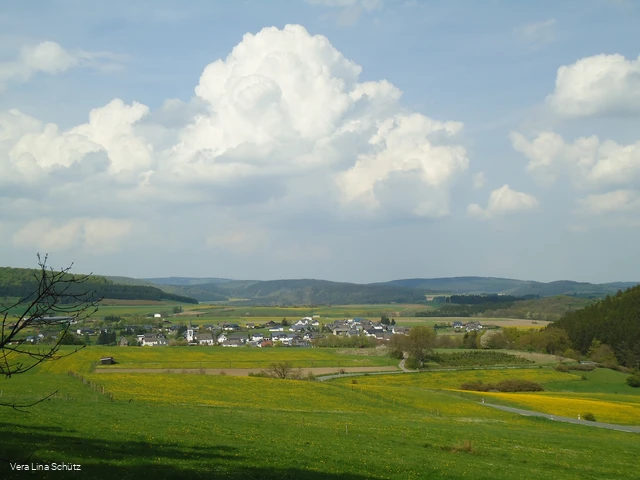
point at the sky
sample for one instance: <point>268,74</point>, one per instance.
<point>347,140</point>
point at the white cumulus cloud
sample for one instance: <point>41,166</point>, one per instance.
<point>282,122</point>
<point>503,201</point>
<point>597,85</point>
<point>588,161</point>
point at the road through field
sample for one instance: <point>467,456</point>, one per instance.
<point>529,413</point>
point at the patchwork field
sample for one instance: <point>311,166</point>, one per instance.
<point>403,426</point>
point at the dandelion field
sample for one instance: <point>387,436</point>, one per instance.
<point>209,426</point>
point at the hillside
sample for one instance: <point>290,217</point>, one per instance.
<point>546,308</point>
<point>21,282</point>
<point>305,291</point>
<point>467,285</point>
<point>614,321</point>
<point>297,292</point>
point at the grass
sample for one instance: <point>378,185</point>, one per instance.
<point>383,427</point>
<point>211,357</point>
<point>453,379</point>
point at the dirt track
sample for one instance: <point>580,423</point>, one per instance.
<point>244,372</point>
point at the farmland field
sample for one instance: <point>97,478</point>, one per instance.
<point>403,426</point>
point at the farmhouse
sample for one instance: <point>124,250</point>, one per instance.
<point>123,342</point>
<point>107,361</point>
<point>205,339</point>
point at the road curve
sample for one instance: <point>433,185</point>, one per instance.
<point>556,418</point>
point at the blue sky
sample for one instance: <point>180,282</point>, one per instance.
<point>352,140</point>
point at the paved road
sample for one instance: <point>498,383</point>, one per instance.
<point>528,413</point>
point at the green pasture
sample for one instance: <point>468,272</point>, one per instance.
<point>600,380</point>
<point>202,426</point>
<point>212,357</point>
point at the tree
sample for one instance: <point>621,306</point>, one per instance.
<point>283,370</point>
<point>418,344</point>
<point>56,300</point>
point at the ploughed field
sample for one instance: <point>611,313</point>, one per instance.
<point>401,426</point>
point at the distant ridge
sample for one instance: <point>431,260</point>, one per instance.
<point>411,290</point>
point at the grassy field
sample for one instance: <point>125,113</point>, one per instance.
<point>382,427</point>
<point>210,357</point>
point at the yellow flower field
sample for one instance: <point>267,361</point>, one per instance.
<point>453,379</point>
<point>86,359</point>
<point>625,411</point>
<point>287,395</point>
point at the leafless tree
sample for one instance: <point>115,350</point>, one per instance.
<point>284,370</point>
<point>58,299</point>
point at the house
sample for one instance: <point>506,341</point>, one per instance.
<point>232,342</point>
<point>107,361</point>
<point>276,329</point>
<point>205,339</point>
<point>400,330</point>
<point>266,343</point>
<point>257,337</point>
<point>123,342</point>
<point>231,327</point>
<point>157,315</point>
<point>340,330</point>
<point>251,325</point>
<point>153,339</point>
<point>222,338</point>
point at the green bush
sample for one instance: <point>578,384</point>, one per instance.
<point>589,416</point>
<point>476,358</point>
<point>503,386</point>
<point>562,368</point>
<point>634,381</point>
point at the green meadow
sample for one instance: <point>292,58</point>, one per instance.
<point>409,426</point>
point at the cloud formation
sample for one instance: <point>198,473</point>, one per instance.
<point>618,201</point>
<point>504,201</point>
<point>588,162</point>
<point>597,85</point>
<point>49,57</point>
<point>283,119</point>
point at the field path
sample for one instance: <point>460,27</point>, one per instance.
<point>529,413</point>
<point>244,372</point>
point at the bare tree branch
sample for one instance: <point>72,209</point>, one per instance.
<point>57,300</point>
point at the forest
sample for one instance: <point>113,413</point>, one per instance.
<point>613,321</point>
<point>21,283</point>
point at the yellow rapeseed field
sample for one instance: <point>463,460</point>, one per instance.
<point>626,411</point>
<point>453,379</point>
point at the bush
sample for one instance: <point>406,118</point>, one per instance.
<point>562,368</point>
<point>589,417</point>
<point>509,386</point>
<point>634,381</point>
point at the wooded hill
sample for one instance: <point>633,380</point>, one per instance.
<point>21,282</point>
<point>305,292</point>
<point>614,321</point>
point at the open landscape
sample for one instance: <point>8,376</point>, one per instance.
<point>412,425</point>
<point>319,239</point>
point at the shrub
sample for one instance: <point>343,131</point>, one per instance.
<point>589,416</point>
<point>509,386</point>
<point>354,382</point>
<point>634,381</point>
<point>562,368</point>
<point>582,368</point>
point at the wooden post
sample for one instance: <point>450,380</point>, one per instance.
<point>346,429</point>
